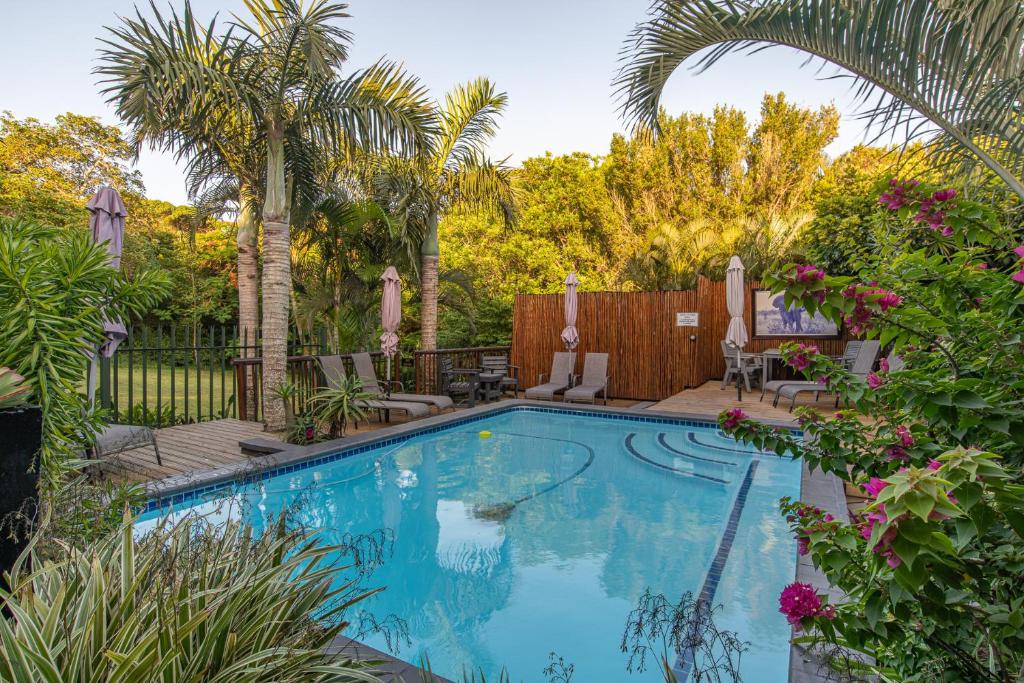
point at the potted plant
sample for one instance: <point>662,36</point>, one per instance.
<point>21,434</point>
<point>335,407</point>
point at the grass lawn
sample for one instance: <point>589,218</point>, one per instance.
<point>157,383</point>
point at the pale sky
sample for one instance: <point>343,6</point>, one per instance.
<point>555,58</point>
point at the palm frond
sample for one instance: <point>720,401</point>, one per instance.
<point>468,121</point>
<point>953,72</point>
<point>479,183</point>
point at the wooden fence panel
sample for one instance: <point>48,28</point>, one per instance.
<point>650,357</point>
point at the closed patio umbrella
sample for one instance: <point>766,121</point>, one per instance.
<point>390,314</point>
<point>570,335</point>
<point>106,224</point>
<point>736,335</point>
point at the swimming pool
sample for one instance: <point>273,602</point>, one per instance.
<point>542,537</point>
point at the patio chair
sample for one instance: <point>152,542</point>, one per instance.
<point>460,384</point>
<point>562,366</point>
<point>862,365</point>
<point>594,381</point>
<point>499,364</point>
<point>364,370</point>
<point>116,439</point>
<point>849,353</point>
<point>747,367</point>
<point>333,368</point>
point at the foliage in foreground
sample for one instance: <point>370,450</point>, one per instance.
<point>183,603</point>
<point>931,569</point>
<point>56,288</point>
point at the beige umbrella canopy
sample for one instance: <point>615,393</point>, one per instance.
<point>736,335</point>
<point>390,314</point>
<point>570,335</point>
<point>106,223</point>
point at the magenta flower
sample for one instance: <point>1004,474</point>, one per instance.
<point>874,381</point>
<point>803,545</point>
<point>934,464</point>
<point>888,299</point>
<point>1019,251</point>
<point>875,486</point>
<point>983,266</point>
<point>808,274</point>
<point>1018,276</point>
<point>733,418</point>
<point>896,453</point>
<point>799,601</point>
<point>944,195</point>
<point>905,437</point>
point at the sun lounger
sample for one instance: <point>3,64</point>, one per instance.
<point>333,368</point>
<point>366,373</point>
<point>594,381</point>
<point>562,366</point>
<point>862,365</point>
<point>120,438</point>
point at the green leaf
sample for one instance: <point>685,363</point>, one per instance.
<point>969,399</point>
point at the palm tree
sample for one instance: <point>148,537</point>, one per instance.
<point>454,174</point>
<point>951,70</point>
<point>275,77</point>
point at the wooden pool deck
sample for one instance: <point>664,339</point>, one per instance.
<point>207,445</point>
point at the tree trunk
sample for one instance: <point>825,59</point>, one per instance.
<point>248,287</point>
<point>430,255</point>
<point>276,282</point>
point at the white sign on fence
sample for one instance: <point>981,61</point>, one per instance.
<point>687,319</point>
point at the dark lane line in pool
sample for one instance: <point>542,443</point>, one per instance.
<point>664,444</point>
<point>714,575</point>
<point>636,454</point>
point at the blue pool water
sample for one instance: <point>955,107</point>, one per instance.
<point>541,538</point>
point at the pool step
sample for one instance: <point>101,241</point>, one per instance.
<point>647,451</point>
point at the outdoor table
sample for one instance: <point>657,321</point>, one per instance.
<point>490,385</point>
<point>767,356</point>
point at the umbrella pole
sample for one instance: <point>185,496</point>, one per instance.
<point>388,375</point>
<point>739,371</point>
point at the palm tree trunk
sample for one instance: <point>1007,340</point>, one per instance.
<point>248,287</point>
<point>430,255</point>
<point>276,282</point>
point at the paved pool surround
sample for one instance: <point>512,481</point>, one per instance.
<point>824,491</point>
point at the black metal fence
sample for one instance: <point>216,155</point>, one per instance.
<point>172,374</point>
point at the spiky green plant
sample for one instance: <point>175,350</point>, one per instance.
<point>185,603</point>
<point>947,70</point>
<point>13,390</point>
<point>337,406</point>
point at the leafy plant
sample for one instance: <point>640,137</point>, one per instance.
<point>13,390</point>
<point>335,407</point>
<point>185,602</point>
<point>56,288</point>
<point>930,570</point>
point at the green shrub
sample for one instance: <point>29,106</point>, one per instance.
<point>931,570</point>
<point>183,603</point>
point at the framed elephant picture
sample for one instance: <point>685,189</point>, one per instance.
<point>773,321</point>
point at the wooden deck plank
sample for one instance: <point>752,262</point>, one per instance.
<point>710,399</point>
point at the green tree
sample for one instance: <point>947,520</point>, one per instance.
<point>49,171</point>
<point>454,174</point>
<point>956,73</point>
<point>275,77</point>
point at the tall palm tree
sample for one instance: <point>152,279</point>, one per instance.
<point>953,71</point>
<point>454,173</point>
<point>276,76</point>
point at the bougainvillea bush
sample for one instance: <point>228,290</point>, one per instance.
<point>933,568</point>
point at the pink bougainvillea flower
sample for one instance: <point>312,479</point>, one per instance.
<point>799,601</point>
<point>944,195</point>
<point>733,418</point>
<point>874,381</point>
<point>888,299</point>
<point>809,273</point>
<point>1018,276</point>
<point>905,437</point>
<point>875,486</point>
<point>1019,251</point>
<point>934,464</point>
<point>883,365</point>
<point>983,266</point>
<point>896,453</point>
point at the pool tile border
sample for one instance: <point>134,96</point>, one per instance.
<point>187,488</point>
<point>714,575</point>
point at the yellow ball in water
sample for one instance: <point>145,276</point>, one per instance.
<point>485,434</point>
